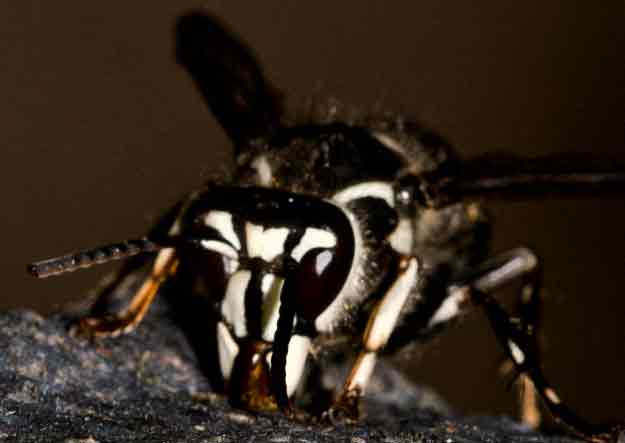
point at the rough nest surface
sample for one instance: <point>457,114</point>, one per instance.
<point>147,386</point>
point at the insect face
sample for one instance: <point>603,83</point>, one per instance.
<point>268,237</point>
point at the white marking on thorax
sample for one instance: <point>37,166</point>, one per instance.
<point>387,313</point>
<point>233,304</point>
<point>263,169</point>
<point>377,189</point>
<point>222,222</point>
<point>227,349</point>
<point>299,346</point>
<point>313,238</point>
<point>393,145</point>
<point>390,143</point>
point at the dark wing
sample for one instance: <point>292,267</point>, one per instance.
<point>228,76</point>
<point>510,177</point>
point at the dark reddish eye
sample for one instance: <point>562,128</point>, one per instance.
<point>318,280</point>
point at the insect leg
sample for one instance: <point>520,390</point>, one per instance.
<point>98,323</point>
<point>521,264</point>
<point>520,348</point>
<point>519,336</point>
<point>382,322</point>
<point>112,325</point>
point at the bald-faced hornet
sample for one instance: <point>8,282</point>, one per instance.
<point>364,227</point>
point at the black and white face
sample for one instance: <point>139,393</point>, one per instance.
<point>271,238</point>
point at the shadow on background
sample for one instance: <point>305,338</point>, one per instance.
<point>100,132</point>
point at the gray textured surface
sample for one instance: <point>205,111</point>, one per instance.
<point>146,387</point>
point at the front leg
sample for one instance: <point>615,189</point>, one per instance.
<point>164,266</point>
<point>382,322</point>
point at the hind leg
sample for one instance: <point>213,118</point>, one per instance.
<point>518,337</point>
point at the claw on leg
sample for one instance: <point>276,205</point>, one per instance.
<point>381,324</point>
<point>345,408</point>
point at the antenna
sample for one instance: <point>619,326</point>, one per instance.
<point>90,257</point>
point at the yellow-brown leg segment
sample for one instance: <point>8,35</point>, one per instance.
<point>165,265</point>
<point>528,401</point>
<point>380,326</point>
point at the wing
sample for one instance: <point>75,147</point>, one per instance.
<point>228,76</point>
<point>509,177</point>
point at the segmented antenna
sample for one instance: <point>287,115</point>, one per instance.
<point>89,257</point>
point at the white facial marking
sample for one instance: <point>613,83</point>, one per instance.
<point>273,242</point>
<point>517,355</point>
<point>361,373</point>
<point>233,304</point>
<point>313,238</point>
<point>254,236</point>
<point>402,237</point>
<point>449,308</point>
<point>387,313</point>
<point>230,266</point>
<point>263,169</point>
<point>299,346</point>
<point>296,361</point>
<point>351,288</point>
<point>265,243</point>
<point>271,287</point>
<point>220,247</point>
<point>222,222</point>
<point>227,348</point>
<point>378,189</point>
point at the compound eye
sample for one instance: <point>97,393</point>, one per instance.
<point>318,280</point>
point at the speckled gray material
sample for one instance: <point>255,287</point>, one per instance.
<point>147,387</point>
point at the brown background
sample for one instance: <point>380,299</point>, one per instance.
<point>100,131</point>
